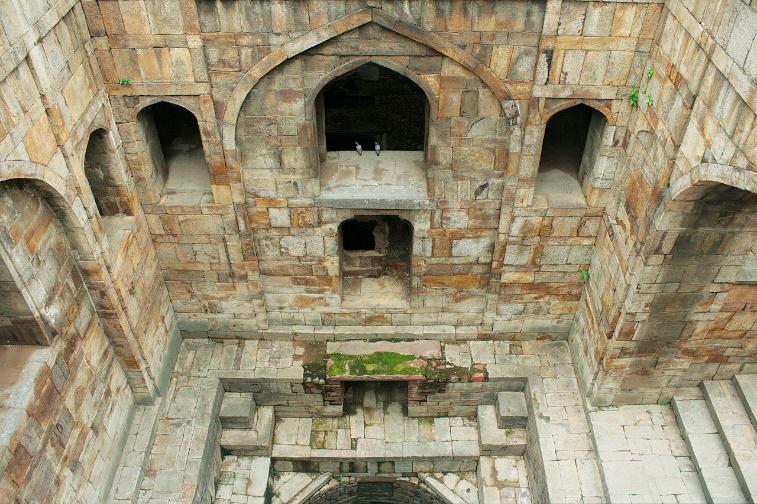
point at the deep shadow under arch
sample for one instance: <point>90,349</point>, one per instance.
<point>372,103</point>
<point>376,491</point>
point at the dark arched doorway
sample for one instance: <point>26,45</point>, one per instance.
<point>376,491</point>
<point>375,258</point>
<point>373,104</point>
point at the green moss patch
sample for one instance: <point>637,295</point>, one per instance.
<point>375,364</point>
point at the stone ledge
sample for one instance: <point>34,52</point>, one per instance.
<point>375,204</point>
<point>420,348</point>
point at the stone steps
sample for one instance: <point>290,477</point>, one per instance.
<point>494,440</point>
<point>257,440</point>
<point>746,386</point>
<point>720,433</point>
<point>707,451</point>
<point>736,431</point>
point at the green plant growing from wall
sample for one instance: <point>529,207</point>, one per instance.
<point>633,95</point>
<point>125,81</point>
<point>585,275</point>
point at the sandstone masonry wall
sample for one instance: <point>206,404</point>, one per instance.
<point>698,132</point>
<point>106,333</point>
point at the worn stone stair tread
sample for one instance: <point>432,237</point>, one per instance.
<point>441,489</point>
<point>722,487</point>
<point>719,481</point>
<point>746,386</point>
<point>736,430</point>
<point>310,489</point>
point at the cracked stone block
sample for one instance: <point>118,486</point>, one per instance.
<point>511,410</point>
<point>237,410</point>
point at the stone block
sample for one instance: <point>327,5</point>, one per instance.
<point>237,410</point>
<point>256,441</point>
<point>492,439</point>
<point>511,410</point>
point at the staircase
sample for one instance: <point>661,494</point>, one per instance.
<point>720,431</point>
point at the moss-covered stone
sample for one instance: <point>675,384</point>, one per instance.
<point>376,364</point>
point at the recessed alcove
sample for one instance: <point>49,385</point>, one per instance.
<point>172,135</point>
<point>570,150</point>
<point>372,105</point>
<point>375,259</point>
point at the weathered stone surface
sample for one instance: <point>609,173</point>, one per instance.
<point>511,410</point>
<point>118,238</point>
<point>237,411</point>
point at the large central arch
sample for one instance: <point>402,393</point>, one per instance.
<point>343,25</point>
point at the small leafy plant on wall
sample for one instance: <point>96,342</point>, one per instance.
<point>633,95</point>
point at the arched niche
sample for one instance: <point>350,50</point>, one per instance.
<point>106,178</point>
<point>37,258</point>
<point>375,257</point>
<point>372,128</point>
<point>174,147</point>
<point>572,156</point>
<point>709,241</point>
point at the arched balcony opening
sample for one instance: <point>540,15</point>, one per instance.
<point>373,104</point>
<point>372,107</point>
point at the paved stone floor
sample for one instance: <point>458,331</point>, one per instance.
<point>628,454</point>
<point>643,456</point>
<point>390,291</point>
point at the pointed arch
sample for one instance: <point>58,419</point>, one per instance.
<point>358,62</point>
<point>691,186</point>
<point>345,24</point>
<point>599,106</point>
<point>62,196</point>
<point>152,100</point>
